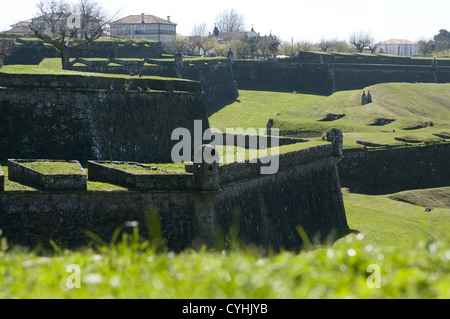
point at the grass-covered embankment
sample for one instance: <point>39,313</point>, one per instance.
<point>420,111</point>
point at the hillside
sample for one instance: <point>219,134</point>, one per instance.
<point>418,111</point>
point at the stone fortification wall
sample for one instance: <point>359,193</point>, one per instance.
<point>215,76</point>
<point>62,82</point>
<point>177,182</point>
<point>231,173</point>
<point>32,218</point>
<point>378,172</point>
<point>52,182</point>
<point>283,77</point>
<point>2,180</point>
<point>86,124</point>
<point>33,52</point>
<point>323,78</point>
<point>350,77</point>
<point>266,209</point>
<point>357,58</point>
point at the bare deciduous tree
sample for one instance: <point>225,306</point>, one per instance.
<point>230,21</point>
<point>199,36</point>
<point>361,40</point>
<point>179,45</point>
<point>209,44</point>
<point>326,44</point>
<point>69,27</point>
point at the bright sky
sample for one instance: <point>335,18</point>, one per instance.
<point>301,20</point>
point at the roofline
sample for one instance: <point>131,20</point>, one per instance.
<point>137,15</point>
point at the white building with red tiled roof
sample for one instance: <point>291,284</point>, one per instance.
<point>400,47</point>
<point>146,27</point>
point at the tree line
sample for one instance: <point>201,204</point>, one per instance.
<point>59,26</point>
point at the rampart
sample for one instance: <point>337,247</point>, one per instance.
<point>266,209</point>
<point>100,171</point>
<point>231,173</point>
<point>28,51</point>
<point>215,75</point>
<point>19,172</point>
<point>327,73</point>
<point>2,180</point>
<point>95,118</point>
<point>377,172</point>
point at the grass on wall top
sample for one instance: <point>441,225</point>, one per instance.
<point>53,66</point>
<point>50,168</point>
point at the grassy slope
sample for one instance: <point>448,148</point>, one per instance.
<point>254,108</point>
<point>432,198</point>
<point>387,222</point>
<point>52,66</point>
<point>381,218</point>
<point>409,104</point>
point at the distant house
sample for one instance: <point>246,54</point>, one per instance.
<point>21,28</point>
<point>226,37</point>
<point>49,23</point>
<point>146,27</point>
<point>399,47</point>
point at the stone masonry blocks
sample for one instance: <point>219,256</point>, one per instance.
<point>2,180</point>
<point>47,182</point>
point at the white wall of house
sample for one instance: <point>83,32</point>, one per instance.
<point>399,49</point>
<point>158,32</point>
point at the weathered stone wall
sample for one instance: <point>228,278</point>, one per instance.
<point>102,173</point>
<point>230,173</point>
<point>283,77</point>
<point>215,76</point>
<point>395,170</point>
<point>33,52</point>
<point>62,82</point>
<point>32,218</point>
<point>95,124</point>
<point>2,180</point>
<point>325,78</point>
<point>269,210</point>
<point>52,182</point>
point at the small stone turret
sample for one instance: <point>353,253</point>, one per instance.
<point>364,98</point>
<point>369,97</point>
<point>179,60</point>
<point>230,55</point>
<point>206,172</point>
<point>2,180</point>
<point>336,137</point>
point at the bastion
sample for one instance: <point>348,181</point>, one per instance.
<point>199,206</point>
<point>91,117</point>
<point>21,171</point>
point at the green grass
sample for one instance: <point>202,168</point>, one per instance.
<point>432,198</point>
<point>299,115</point>
<point>133,269</point>
<point>253,109</point>
<point>48,168</point>
<point>91,186</point>
<point>388,222</point>
<point>53,66</point>
<point>161,168</point>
